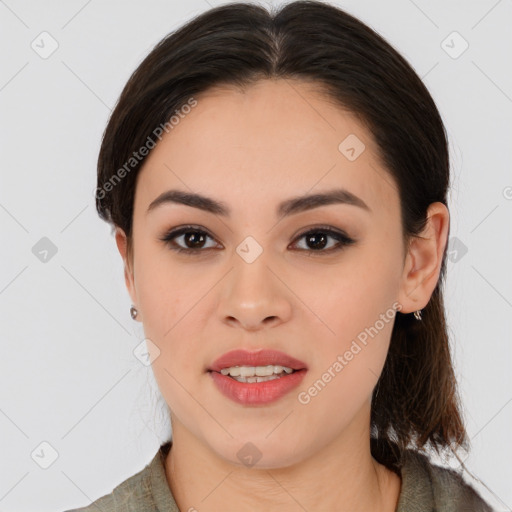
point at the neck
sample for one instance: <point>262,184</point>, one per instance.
<point>343,476</point>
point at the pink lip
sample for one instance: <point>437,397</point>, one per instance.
<point>256,393</point>
<point>261,357</point>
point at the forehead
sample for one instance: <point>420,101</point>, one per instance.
<point>274,139</point>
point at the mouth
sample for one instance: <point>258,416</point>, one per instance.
<point>262,363</point>
<point>256,378</point>
<point>254,374</point>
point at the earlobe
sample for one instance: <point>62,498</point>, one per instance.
<point>423,260</point>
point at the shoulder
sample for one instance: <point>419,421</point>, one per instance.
<point>134,494</point>
<point>434,487</point>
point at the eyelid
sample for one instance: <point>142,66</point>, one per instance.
<point>324,228</point>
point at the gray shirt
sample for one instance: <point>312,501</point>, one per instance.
<point>426,487</point>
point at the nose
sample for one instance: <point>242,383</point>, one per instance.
<point>254,295</point>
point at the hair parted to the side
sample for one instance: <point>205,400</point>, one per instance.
<point>415,403</point>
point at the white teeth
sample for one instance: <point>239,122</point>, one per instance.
<point>264,371</point>
<point>258,379</point>
<point>246,372</point>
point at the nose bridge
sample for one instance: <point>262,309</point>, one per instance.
<point>253,293</point>
<point>251,277</point>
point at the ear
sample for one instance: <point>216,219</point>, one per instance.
<point>423,260</point>
<point>122,245</point>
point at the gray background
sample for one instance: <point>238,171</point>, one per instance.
<point>69,377</point>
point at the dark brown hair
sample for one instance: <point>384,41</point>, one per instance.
<point>415,402</point>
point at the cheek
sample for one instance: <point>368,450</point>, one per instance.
<point>349,363</point>
<point>351,296</point>
<point>358,306</point>
<point>163,290</point>
<point>170,308</point>
<point>174,333</point>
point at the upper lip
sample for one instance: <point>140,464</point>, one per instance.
<point>262,357</point>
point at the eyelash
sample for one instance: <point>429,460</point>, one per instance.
<point>342,238</point>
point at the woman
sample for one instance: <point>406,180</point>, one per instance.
<point>278,186</point>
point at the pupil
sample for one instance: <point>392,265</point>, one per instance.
<point>191,237</point>
<point>320,245</point>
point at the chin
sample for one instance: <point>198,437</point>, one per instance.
<point>257,452</point>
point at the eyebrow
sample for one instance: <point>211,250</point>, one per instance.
<point>288,207</point>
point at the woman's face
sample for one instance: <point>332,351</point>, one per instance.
<point>255,282</point>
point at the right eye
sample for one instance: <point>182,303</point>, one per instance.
<point>193,239</point>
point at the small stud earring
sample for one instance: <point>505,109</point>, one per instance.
<point>417,314</point>
<point>133,312</point>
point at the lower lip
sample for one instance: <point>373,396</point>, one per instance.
<point>257,393</point>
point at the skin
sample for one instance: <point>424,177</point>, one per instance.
<point>251,150</point>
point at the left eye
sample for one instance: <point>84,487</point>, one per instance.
<point>317,238</point>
